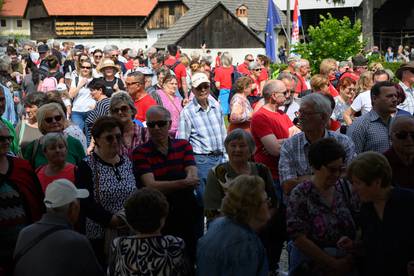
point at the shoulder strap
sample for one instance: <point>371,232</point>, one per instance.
<point>34,152</point>
<point>35,241</point>
<point>76,81</point>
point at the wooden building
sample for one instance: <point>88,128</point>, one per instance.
<point>87,19</point>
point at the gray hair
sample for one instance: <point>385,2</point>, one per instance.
<point>122,97</point>
<point>299,64</point>
<point>285,76</point>
<point>226,59</point>
<point>5,63</point>
<point>52,138</point>
<point>109,48</point>
<point>160,110</point>
<point>195,55</point>
<point>41,113</point>
<point>254,65</point>
<point>239,134</point>
<point>139,77</point>
<point>271,87</point>
<point>319,102</point>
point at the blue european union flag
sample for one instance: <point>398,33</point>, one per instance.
<point>272,20</point>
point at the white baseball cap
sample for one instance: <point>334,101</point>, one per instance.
<point>199,78</point>
<point>61,192</point>
<point>61,87</point>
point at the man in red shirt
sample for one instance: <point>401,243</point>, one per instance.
<point>179,70</point>
<point>244,67</point>
<point>270,127</point>
<point>135,85</point>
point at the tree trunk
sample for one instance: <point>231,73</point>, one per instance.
<point>368,23</point>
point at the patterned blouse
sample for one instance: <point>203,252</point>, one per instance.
<point>140,136</point>
<point>159,255</point>
<point>241,110</point>
<point>109,187</point>
<point>310,214</point>
<point>339,110</point>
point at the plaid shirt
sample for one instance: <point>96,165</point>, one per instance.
<point>204,129</point>
<point>294,154</point>
<point>369,132</point>
<point>408,104</point>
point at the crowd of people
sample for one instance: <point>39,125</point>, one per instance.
<point>166,163</point>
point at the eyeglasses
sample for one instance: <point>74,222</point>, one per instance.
<point>402,135</point>
<point>258,69</point>
<point>111,138</point>
<point>4,139</point>
<point>131,83</point>
<point>86,67</point>
<point>203,86</point>
<point>158,123</point>
<point>56,118</point>
<point>285,93</point>
<point>114,56</point>
<point>333,170</point>
<point>97,56</point>
<point>250,60</point>
<point>123,109</point>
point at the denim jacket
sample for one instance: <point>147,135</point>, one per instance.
<point>230,248</point>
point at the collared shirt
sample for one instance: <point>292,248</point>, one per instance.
<point>294,154</point>
<point>369,132</point>
<point>204,129</point>
<point>408,104</point>
<point>402,174</point>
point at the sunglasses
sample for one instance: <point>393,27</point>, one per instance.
<point>4,139</point>
<point>402,135</point>
<point>115,56</point>
<point>130,83</point>
<point>57,118</point>
<point>123,109</point>
<point>97,56</point>
<point>86,67</point>
<point>250,60</point>
<point>258,69</point>
<point>111,138</point>
<point>158,123</point>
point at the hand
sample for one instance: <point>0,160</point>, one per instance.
<point>410,268</point>
<point>89,150</point>
<point>185,101</point>
<point>16,99</point>
<point>191,181</point>
<point>82,82</point>
<point>116,87</point>
<point>345,243</point>
<point>294,130</point>
<point>24,64</point>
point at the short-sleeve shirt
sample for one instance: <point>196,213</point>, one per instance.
<point>265,122</point>
<point>362,103</point>
<point>244,69</point>
<point>83,102</point>
<point>142,105</point>
<point>308,213</point>
<point>68,173</point>
<point>264,75</point>
<point>223,75</point>
<point>180,72</point>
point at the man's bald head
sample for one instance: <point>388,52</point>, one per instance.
<point>272,86</point>
<point>401,123</point>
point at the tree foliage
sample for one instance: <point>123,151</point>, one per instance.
<point>332,38</point>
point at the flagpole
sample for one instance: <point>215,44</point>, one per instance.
<point>288,27</point>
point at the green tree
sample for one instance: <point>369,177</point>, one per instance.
<point>332,38</point>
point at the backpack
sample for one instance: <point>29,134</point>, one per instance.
<point>174,65</point>
<point>48,84</point>
<point>234,77</point>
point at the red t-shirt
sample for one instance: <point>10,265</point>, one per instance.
<point>218,62</point>
<point>333,91</point>
<point>68,173</point>
<point>255,91</point>
<point>301,85</point>
<point>265,122</point>
<point>244,69</point>
<point>180,72</point>
<point>170,61</point>
<point>142,105</point>
<point>130,64</point>
<point>264,75</point>
<point>223,75</point>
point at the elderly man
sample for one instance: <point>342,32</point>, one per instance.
<point>50,246</point>
<point>112,52</point>
<point>156,63</point>
<point>314,113</point>
<point>291,105</point>
<point>202,124</point>
<point>244,67</point>
<point>406,76</point>
<point>135,85</point>
<point>401,153</point>
<point>270,127</point>
<point>370,132</point>
<point>168,165</point>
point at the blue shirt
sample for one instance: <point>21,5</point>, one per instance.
<point>228,249</point>
<point>9,113</point>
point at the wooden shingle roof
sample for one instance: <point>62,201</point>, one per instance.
<point>13,8</point>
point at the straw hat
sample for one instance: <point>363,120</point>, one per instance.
<point>403,67</point>
<point>107,63</point>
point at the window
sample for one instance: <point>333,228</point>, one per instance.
<point>19,23</point>
<point>171,10</point>
<point>3,22</point>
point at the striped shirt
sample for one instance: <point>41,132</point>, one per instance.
<point>204,129</point>
<point>101,109</point>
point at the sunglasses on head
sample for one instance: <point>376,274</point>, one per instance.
<point>111,138</point>
<point>123,109</point>
<point>56,118</point>
<point>6,139</point>
<point>402,135</point>
<point>158,123</point>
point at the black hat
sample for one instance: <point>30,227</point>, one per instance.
<point>43,48</point>
<point>79,47</point>
<point>359,60</point>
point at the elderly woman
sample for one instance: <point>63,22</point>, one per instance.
<point>386,218</point>
<point>231,246</point>
<point>167,98</point>
<point>147,252</point>
<point>328,68</point>
<point>346,88</point>
<point>109,178</point>
<point>81,94</point>
<point>27,129</point>
<point>20,192</point>
<point>55,148</point>
<point>240,109</point>
<point>109,69</point>
<point>255,69</point>
<point>51,118</point>
<point>122,107</point>
<point>240,147</point>
<point>222,78</point>
<point>318,214</point>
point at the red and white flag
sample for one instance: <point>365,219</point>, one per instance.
<point>296,24</point>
